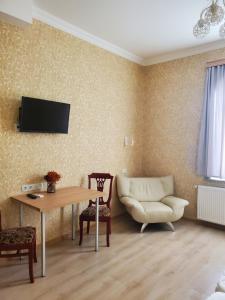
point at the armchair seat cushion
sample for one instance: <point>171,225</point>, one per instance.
<point>157,212</point>
<point>90,211</point>
<point>15,236</point>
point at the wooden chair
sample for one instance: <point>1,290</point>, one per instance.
<point>22,240</point>
<point>89,213</point>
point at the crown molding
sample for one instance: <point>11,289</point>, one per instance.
<point>58,23</point>
<point>184,53</point>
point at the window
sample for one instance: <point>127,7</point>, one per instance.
<point>211,153</point>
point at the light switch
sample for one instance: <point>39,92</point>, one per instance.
<point>128,141</point>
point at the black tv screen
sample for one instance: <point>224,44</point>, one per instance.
<point>38,115</point>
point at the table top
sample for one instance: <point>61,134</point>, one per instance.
<point>60,198</point>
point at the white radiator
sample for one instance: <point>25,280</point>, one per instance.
<point>211,204</point>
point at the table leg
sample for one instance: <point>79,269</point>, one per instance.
<point>43,258</point>
<point>21,224</point>
<point>21,214</point>
<point>74,222</point>
<point>97,224</point>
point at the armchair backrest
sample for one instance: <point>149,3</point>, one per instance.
<point>145,189</point>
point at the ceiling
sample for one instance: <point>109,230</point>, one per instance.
<point>146,29</point>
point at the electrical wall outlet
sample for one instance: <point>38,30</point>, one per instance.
<point>128,141</point>
<point>32,187</point>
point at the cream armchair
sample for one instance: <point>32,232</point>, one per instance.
<point>151,200</point>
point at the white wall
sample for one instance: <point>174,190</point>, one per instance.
<point>18,12</point>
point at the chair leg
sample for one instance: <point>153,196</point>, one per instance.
<point>143,227</point>
<point>35,251</point>
<point>107,232</point>
<point>20,252</point>
<point>31,258</point>
<point>171,226</point>
<point>110,226</point>
<point>81,232</point>
<point>88,227</point>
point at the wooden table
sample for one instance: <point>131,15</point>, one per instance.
<point>62,197</point>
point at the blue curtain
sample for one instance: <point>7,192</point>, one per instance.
<point>211,151</point>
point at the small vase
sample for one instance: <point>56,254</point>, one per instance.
<point>51,187</point>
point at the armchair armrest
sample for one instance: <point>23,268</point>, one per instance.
<point>131,203</point>
<point>174,202</point>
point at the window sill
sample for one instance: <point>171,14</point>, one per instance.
<point>215,179</point>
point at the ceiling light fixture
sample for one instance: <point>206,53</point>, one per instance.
<point>211,16</point>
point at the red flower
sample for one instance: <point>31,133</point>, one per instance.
<point>52,176</point>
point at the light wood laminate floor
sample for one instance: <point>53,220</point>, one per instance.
<point>155,265</point>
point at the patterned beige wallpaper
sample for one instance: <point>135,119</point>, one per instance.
<point>173,104</point>
<point>110,97</point>
<point>105,93</point>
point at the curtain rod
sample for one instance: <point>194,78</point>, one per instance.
<point>215,63</point>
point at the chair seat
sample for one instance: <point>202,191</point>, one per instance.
<point>15,236</point>
<point>90,211</point>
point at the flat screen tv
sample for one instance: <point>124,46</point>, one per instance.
<point>45,116</point>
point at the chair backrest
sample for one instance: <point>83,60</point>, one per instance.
<point>100,180</point>
<point>145,189</point>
